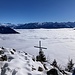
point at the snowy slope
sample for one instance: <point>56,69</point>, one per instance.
<point>18,63</point>
<point>60,43</point>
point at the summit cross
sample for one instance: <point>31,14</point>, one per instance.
<point>40,48</point>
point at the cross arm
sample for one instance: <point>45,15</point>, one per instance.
<point>40,47</point>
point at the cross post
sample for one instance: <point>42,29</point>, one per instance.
<point>40,48</point>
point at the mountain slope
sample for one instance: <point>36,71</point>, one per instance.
<point>7,30</point>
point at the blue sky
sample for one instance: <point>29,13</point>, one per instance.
<point>25,11</point>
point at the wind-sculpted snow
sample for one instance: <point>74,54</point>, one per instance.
<point>60,43</point>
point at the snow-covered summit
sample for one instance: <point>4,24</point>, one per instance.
<point>18,63</point>
<point>14,62</point>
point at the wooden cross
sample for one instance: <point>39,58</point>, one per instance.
<point>40,48</point>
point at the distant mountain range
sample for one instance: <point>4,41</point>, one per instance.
<point>46,25</point>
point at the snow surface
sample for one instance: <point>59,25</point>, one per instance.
<point>60,43</point>
<point>21,63</point>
